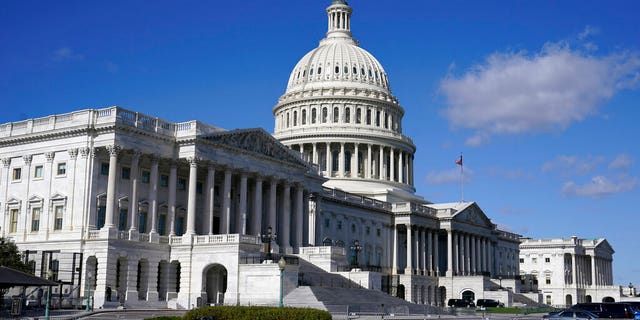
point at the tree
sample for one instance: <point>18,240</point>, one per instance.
<point>11,257</point>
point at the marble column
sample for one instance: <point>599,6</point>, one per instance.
<point>429,252</point>
<point>111,186</point>
<point>133,204</point>
<point>341,160</point>
<point>369,162</point>
<point>409,267</point>
<point>423,252</point>
<point>191,202</point>
<point>392,165</point>
<point>356,166</point>
<point>153,194</point>
<point>574,269</point>
<point>299,213</point>
<point>401,167</point>
<point>171,201</point>
<point>328,160</point>
<point>273,188</point>
<point>395,250</point>
<point>450,257</point>
<point>242,214</point>
<point>436,250</point>
<point>284,235</point>
<point>257,207</point>
<point>225,223</point>
<point>456,253</point>
<point>381,164</point>
<point>211,194</point>
<point>315,154</point>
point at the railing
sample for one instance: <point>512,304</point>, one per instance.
<point>348,268</point>
<point>353,198</point>
<point>412,207</point>
<point>93,234</point>
<point>227,238</point>
<point>324,250</point>
<point>144,237</point>
<point>275,257</point>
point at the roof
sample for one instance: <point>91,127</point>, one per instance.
<point>13,278</point>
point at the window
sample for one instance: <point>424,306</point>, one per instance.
<point>142,221</point>
<point>58,218</point>
<point>288,119</point>
<point>377,118</point>
<point>164,180</point>
<point>319,70</point>
<point>521,260</point>
<point>368,116</point>
<point>104,169</point>
<point>336,115</point>
<point>38,171</point>
<point>547,281</point>
<point>182,184</point>
<point>126,173</point>
<point>378,232</point>
<point>146,176</point>
<point>54,266</point>
<point>362,71</point>
<point>346,70</point>
<point>295,118</point>
<point>534,260</point>
<point>17,174</point>
<point>324,115</point>
<point>304,117</point>
<point>353,228</point>
<point>354,71</point>
<point>368,230</point>
<point>327,222</point>
<point>347,115</point>
<point>547,260</point>
<point>122,222</point>
<point>62,169</point>
<point>311,71</point>
<point>337,69</point>
<point>339,225</point>
<point>101,216</point>
<point>358,115</point>
<point>548,300</point>
<point>35,219</point>
<point>13,223</point>
<point>313,115</point>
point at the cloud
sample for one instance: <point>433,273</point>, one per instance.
<point>599,186</point>
<point>573,165</point>
<point>513,93</point>
<point>65,53</point>
<point>587,32</point>
<point>450,176</point>
<point>621,162</point>
<point>521,230</point>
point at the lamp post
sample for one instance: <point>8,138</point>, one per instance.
<point>266,239</point>
<point>530,285</point>
<point>356,249</point>
<point>48,302</point>
<point>89,278</point>
<point>500,279</point>
<point>281,265</point>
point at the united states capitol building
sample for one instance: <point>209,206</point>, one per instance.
<point>138,211</point>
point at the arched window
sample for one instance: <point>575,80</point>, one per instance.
<point>370,75</point>
<point>335,160</point>
<point>311,71</point>
<point>314,115</point>
<point>288,119</point>
<point>354,71</point>
<point>295,118</point>
<point>304,117</point>
<point>369,116</point>
<point>319,70</point>
<point>358,115</point>
<point>347,115</point>
<point>386,122</point>
<point>377,118</point>
<point>324,115</point>
<point>346,70</point>
<point>362,71</point>
<point>347,161</point>
<point>336,115</point>
<point>337,69</point>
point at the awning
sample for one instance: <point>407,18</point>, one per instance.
<point>14,278</point>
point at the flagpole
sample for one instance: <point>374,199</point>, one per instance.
<point>461,179</point>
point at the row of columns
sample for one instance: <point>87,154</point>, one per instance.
<point>470,253</point>
<point>422,254</point>
<point>602,272</point>
<point>242,214</point>
<point>374,164</point>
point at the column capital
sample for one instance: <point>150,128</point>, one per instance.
<point>135,153</point>
<point>113,150</point>
<point>6,162</point>
<point>49,156</point>
<point>85,152</point>
<point>73,153</point>
<point>27,159</point>
<point>193,161</point>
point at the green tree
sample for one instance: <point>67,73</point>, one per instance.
<point>11,257</point>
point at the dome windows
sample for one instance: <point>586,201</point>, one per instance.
<point>346,70</point>
<point>337,69</point>
<point>362,72</point>
<point>336,115</point>
<point>324,115</point>
<point>311,71</point>
<point>319,70</point>
<point>295,118</point>
<point>355,70</point>
<point>304,117</point>
<point>347,115</point>
<point>314,115</point>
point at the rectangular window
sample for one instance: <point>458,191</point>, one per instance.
<point>378,232</point>
<point>547,260</point>
<point>164,180</point>
<point>199,188</point>
<point>38,172</point>
<point>534,260</point>
<point>13,223</point>
<point>126,173</point>
<point>339,225</point>
<point>104,169</point>
<point>58,218</point>
<point>182,184</point>
<point>122,222</point>
<point>368,230</point>
<point>547,281</point>
<point>35,219</point>
<point>62,169</point>
<point>327,223</point>
<point>521,260</point>
<point>146,176</point>
<point>17,174</point>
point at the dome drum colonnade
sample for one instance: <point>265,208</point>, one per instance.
<point>339,113</point>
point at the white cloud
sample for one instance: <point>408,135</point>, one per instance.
<point>66,53</point>
<point>621,162</point>
<point>572,165</point>
<point>599,186</point>
<point>450,176</point>
<point>587,32</point>
<point>513,93</point>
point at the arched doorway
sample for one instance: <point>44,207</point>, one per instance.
<point>588,299</point>
<point>401,291</point>
<point>215,283</point>
<point>608,299</point>
<point>468,295</point>
<point>442,297</point>
<point>568,300</point>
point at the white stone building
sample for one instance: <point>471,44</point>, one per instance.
<point>566,271</point>
<point>136,210</point>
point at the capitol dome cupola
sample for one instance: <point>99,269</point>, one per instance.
<point>339,113</point>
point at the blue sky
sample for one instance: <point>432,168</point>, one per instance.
<point>541,97</point>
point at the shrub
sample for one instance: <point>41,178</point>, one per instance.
<point>165,318</point>
<point>256,313</point>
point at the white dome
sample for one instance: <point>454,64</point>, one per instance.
<point>338,60</point>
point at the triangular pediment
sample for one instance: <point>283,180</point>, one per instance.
<point>259,142</point>
<point>472,214</point>
<point>603,244</point>
<point>36,199</point>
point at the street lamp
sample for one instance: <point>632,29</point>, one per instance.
<point>89,278</point>
<point>266,239</point>
<point>46,308</point>
<point>500,278</point>
<point>281,265</point>
<point>530,284</point>
<point>356,249</point>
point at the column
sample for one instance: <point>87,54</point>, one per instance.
<point>436,249</point>
<point>285,242</point>
<point>369,161</point>
<point>473,254</point>
<point>409,267</point>
<point>191,202</point>
<point>152,283</point>
<point>574,269</point>
<point>416,254</point>
<point>273,188</point>
<point>429,252</point>
<point>395,250</point>
<point>257,207</point>
<point>225,221</point>
<point>133,204</point>
<point>313,205</point>
<point>242,207</point>
<point>381,164</point>
<point>131,281</point>
<point>328,160</point>
<point>392,165</point>
<point>111,186</point>
<point>450,253</point>
<point>299,216</point>
<point>467,258</point>
<point>153,194</point>
<point>355,168</point>
<point>423,251</point>
<point>341,160</point>
<point>456,253</point>
<point>171,201</point>
<point>400,168</point>
<point>211,193</point>
<point>315,154</point>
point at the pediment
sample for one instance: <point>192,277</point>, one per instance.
<point>604,245</point>
<point>36,199</point>
<point>13,201</point>
<point>58,196</point>
<point>259,142</point>
<point>472,214</point>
